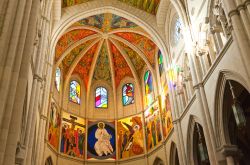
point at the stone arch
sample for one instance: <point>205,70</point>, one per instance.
<point>190,138</point>
<point>220,128</point>
<point>174,157</point>
<point>191,150</point>
<point>49,161</point>
<point>158,161</point>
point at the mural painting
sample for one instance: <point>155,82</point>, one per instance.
<point>167,124</point>
<point>72,136</point>
<point>54,125</point>
<point>101,140</point>
<point>153,126</point>
<point>67,3</point>
<point>130,137</point>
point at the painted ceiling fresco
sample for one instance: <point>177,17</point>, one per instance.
<point>102,69</point>
<point>134,57</point>
<point>69,38</point>
<point>121,67</point>
<point>82,44</point>
<point>107,22</point>
<point>84,65</point>
<point>150,6</point>
<point>143,43</point>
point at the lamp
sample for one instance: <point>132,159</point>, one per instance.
<point>202,146</point>
<point>237,110</point>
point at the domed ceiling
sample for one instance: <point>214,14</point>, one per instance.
<point>149,6</point>
<point>104,47</point>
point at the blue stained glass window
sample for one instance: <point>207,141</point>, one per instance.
<point>101,97</point>
<point>128,94</point>
<point>75,92</point>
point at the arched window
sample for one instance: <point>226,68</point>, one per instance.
<point>75,92</point>
<point>49,161</point>
<point>101,97</point>
<point>58,78</point>
<point>160,63</point>
<point>148,81</point>
<point>128,94</point>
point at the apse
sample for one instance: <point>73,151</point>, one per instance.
<point>105,102</point>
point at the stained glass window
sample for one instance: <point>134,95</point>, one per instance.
<point>128,94</point>
<point>177,31</point>
<point>148,81</point>
<point>58,78</point>
<point>101,97</point>
<point>160,63</point>
<point>75,92</point>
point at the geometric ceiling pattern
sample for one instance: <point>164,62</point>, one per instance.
<point>104,47</point>
<point>149,6</point>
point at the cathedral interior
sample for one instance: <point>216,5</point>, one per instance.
<point>108,82</point>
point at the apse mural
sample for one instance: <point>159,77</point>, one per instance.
<point>149,93</point>
<point>54,125</point>
<point>58,78</point>
<point>101,97</point>
<point>130,137</point>
<point>73,136</point>
<point>167,124</point>
<point>101,140</point>
<point>128,94</point>
<point>153,126</point>
<point>75,92</point>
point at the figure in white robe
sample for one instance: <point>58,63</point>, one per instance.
<point>103,145</point>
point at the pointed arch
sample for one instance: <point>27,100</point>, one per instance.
<point>158,161</point>
<point>174,157</point>
<point>49,161</point>
<point>195,128</point>
<point>221,128</point>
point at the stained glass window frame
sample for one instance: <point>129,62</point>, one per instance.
<point>101,87</point>
<point>123,95</point>
<point>70,99</point>
<point>145,85</point>
<point>58,79</point>
<point>160,63</point>
<point>176,30</point>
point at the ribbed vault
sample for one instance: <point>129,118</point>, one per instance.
<point>104,47</point>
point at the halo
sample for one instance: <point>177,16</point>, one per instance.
<point>101,123</point>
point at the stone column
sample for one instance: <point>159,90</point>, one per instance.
<point>43,114</point>
<point>231,153</point>
<point>18,47</point>
<point>205,116</point>
<point>238,32</point>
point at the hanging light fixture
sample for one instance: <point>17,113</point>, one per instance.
<point>202,146</point>
<point>237,110</point>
